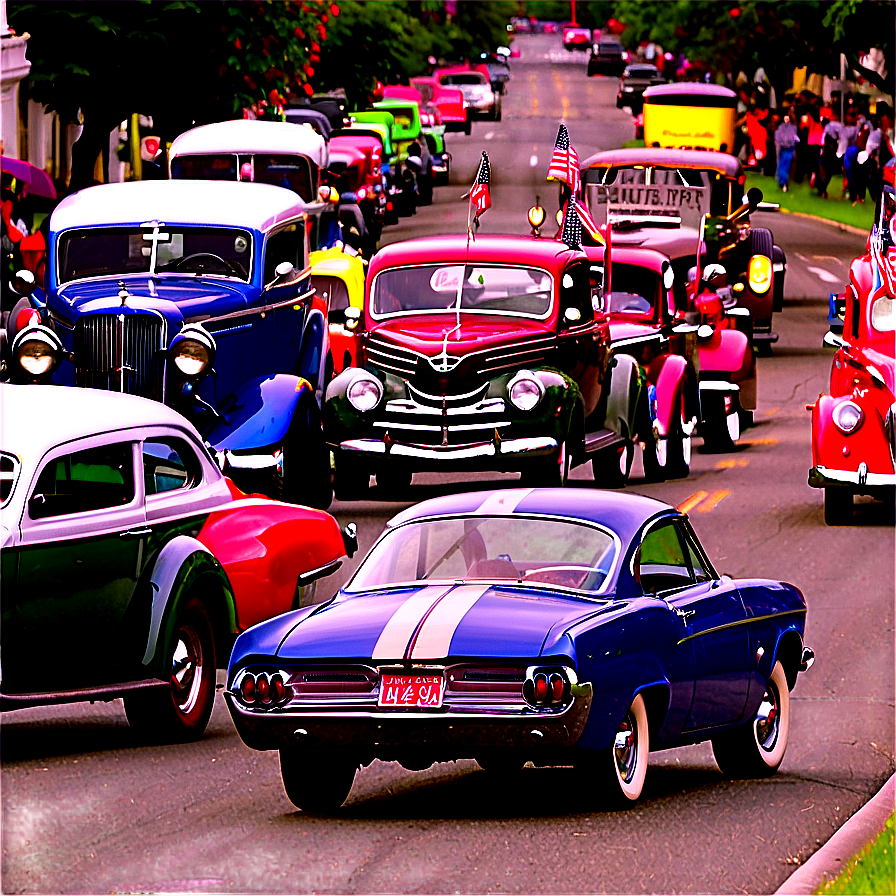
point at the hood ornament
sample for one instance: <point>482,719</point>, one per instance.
<point>444,363</point>
<point>123,293</point>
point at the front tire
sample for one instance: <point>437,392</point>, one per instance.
<point>318,783</point>
<point>180,713</point>
<point>838,506</point>
<point>610,468</point>
<point>350,480</point>
<point>548,472</point>
<point>755,750</point>
<point>393,479</point>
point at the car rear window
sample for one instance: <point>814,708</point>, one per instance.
<point>524,551</point>
<point>9,474</point>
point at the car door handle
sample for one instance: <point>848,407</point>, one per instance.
<point>136,533</point>
<point>684,614</point>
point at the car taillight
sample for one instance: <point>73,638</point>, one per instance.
<point>546,688</point>
<point>262,689</point>
<point>247,689</point>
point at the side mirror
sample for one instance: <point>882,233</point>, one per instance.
<point>715,275</point>
<point>284,275</point>
<point>572,315</point>
<point>350,539</point>
<point>23,282</point>
<point>754,197</point>
<point>833,340</point>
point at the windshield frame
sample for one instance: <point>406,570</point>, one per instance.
<point>601,594</point>
<point>422,312</point>
<point>62,238</point>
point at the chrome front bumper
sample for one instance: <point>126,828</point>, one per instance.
<point>441,456</point>
<point>822,477</point>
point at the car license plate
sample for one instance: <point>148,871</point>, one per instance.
<point>411,690</point>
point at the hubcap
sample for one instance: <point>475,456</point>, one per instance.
<point>767,716</point>
<point>186,669</point>
<point>625,749</point>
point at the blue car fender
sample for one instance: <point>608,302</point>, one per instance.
<point>259,413</point>
<point>177,569</point>
<point>314,343</point>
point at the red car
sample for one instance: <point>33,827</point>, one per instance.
<point>448,100</point>
<point>490,354</point>
<point>854,426</point>
<point>576,38</point>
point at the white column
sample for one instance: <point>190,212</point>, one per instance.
<point>13,68</point>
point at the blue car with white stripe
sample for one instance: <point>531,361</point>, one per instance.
<point>561,627</point>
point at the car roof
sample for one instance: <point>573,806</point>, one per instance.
<point>35,418</point>
<point>551,255</point>
<point>714,95</point>
<point>212,202</point>
<point>623,512</point>
<point>243,135</point>
<point>722,162</point>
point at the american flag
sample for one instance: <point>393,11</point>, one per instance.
<point>588,222</point>
<point>479,193</point>
<point>565,162</point>
<point>572,226</point>
<point>883,270</point>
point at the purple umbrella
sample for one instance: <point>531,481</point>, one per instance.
<point>37,182</point>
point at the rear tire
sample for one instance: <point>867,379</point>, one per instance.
<point>755,750</point>
<point>610,468</point>
<point>838,505</point>
<point>318,783</point>
<point>180,713</point>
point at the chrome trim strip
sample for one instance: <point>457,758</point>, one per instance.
<point>306,578</point>
<point>718,386</point>
<point>246,312</point>
<point>460,452</point>
<point>749,620</point>
<point>825,474</point>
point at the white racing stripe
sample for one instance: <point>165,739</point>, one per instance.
<point>503,502</point>
<point>398,631</point>
<point>434,639</point>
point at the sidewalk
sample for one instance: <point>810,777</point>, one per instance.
<point>832,857</point>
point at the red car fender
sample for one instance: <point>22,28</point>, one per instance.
<point>264,546</point>
<point>669,388</point>
<point>836,450</point>
<point>729,351</point>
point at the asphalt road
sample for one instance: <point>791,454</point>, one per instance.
<point>87,809</point>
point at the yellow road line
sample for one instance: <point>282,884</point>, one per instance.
<point>689,504</point>
<point>732,462</point>
<point>713,501</point>
<point>758,442</point>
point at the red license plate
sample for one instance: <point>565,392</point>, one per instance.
<point>411,690</point>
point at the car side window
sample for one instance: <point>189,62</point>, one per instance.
<point>663,563</point>
<point>575,296</point>
<point>168,465</point>
<point>333,291</point>
<point>285,245</point>
<point>93,479</point>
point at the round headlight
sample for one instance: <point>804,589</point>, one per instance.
<point>193,351</point>
<point>37,350</point>
<point>364,393</point>
<point>191,357</point>
<point>848,416</point>
<point>525,391</point>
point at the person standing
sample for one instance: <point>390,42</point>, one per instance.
<point>786,139</point>
<point>829,164</point>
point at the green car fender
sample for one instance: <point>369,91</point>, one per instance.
<point>183,567</point>
<point>627,381</point>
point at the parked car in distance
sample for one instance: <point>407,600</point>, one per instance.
<point>490,354</point>
<point>448,100</point>
<point>580,627</point>
<point>576,38</point>
<point>635,79</point>
<point>656,198</point>
<point>130,563</point>
<point>481,100</point>
<point>608,56</point>
<point>854,424</point>
<point>194,293</point>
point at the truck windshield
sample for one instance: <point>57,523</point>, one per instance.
<point>486,289</point>
<point>110,251</point>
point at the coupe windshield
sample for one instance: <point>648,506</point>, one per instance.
<point>109,251</point>
<point>525,551</point>
<point>477,288</point>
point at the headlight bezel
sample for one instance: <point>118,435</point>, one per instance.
<point>359,382</point>
<point>529,386</point>
<point>37,335</point>
<point>193,343</point>
<point>848,417</point>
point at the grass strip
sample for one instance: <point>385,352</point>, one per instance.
<point>871,872</point>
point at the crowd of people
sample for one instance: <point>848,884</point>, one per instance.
<point>803,139</point>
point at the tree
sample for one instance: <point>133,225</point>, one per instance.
<point>181,61</point>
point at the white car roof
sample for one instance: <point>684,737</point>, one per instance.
<point>225,203</point>
<point>35,418</point>
<point>245,136</point>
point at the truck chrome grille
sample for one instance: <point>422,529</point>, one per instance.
<point>121,356</point>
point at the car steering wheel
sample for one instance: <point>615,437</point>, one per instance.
<point>180,262</point>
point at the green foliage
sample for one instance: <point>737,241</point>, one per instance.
<point>871,872</point>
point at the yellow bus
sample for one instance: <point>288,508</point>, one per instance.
<point>690,116</point>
